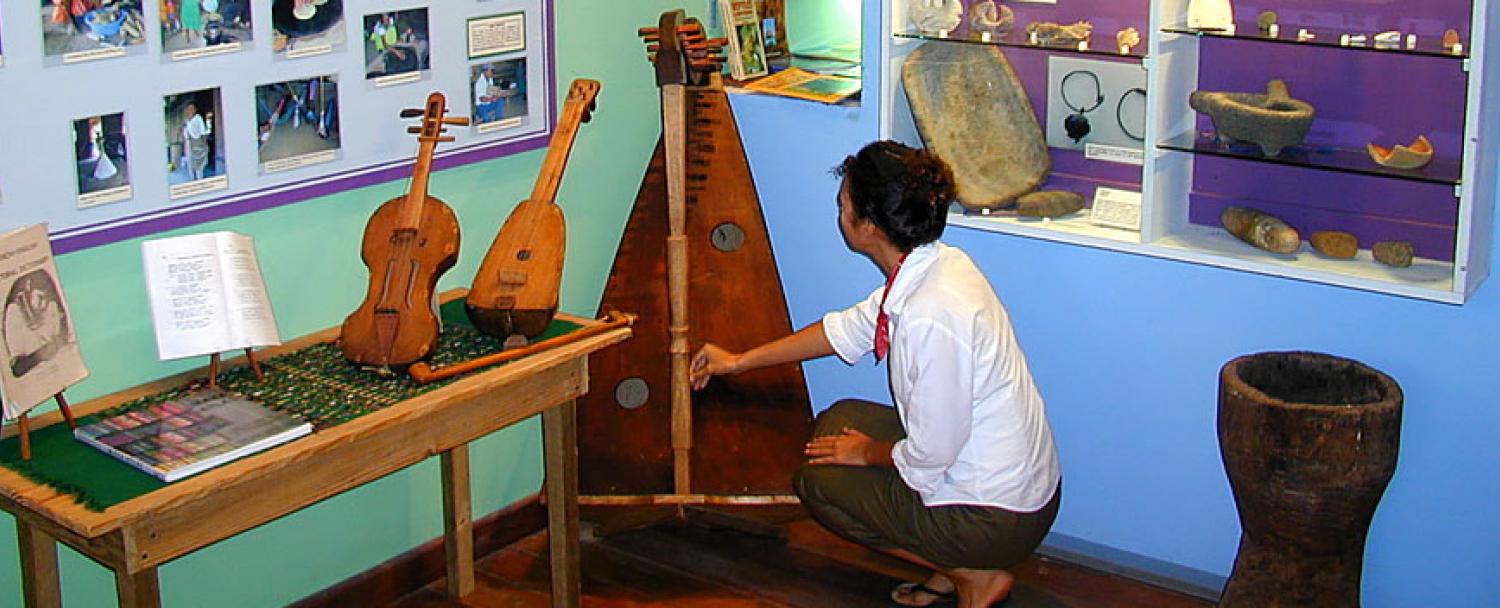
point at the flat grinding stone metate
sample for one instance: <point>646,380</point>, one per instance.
<point>972,111</point>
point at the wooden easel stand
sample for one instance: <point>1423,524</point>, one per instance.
<point>25,424</point>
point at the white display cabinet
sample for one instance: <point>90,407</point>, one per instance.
<point>1363,94</point>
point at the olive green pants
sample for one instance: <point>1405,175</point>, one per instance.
<point>874,507</point>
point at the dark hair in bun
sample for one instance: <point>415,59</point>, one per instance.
<point>905,191</point>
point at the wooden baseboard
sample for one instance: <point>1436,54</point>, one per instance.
<point>410,571</point>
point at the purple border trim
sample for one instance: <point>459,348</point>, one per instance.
<point>151,222</point>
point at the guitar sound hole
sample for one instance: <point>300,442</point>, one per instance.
<point>523,255</point>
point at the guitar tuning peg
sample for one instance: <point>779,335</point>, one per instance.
<point>411,113</point>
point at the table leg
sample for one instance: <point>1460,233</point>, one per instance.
<point>139,590</point>
<point>458,521</point>
<point>40,586</point>
<point>560,444</point>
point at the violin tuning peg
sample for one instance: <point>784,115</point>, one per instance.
<point>456,120</point>
<point>414,129</point>
<point>411,113</point>
<point>586,118</point>
<point>446,138</point>
<point>648,32</point>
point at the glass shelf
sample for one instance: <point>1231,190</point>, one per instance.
<point>1343,160</point>
<point>1427,46</point>
<point>1018,39</point>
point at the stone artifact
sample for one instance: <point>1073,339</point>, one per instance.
<point>1309,442</point>
<point>1210,15</point>
<point>972,111</point>
<point>1415,156</point>
<point>1047,33</point>
<point>1127,39</point>
<point>933,16</point>
<point>986,16</point>
<point>1048,203</point>
<point>1393,253</point>
<point>1272,120</point>
<point>1265,20</point>
<point>1335,244</point>
<point>1260,229</point>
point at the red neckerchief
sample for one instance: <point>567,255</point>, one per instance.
<point>883,322</point>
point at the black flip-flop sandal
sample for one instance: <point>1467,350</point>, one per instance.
<point>941,598</point>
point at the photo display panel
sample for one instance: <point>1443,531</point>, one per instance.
<point>131,117</point>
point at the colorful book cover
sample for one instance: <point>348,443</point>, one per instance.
<point>747,47</point>
<point>183,437</point>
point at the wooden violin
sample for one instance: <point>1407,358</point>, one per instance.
<point>408,244</point>
<point>516,288</point>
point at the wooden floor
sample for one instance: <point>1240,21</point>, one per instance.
<point>694,565</point>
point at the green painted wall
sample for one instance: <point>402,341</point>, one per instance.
<point>309,253</point>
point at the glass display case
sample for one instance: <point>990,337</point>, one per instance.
<point>1377,76</point>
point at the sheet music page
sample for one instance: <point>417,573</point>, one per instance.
<point>251,320</point>
<point>186,285</point>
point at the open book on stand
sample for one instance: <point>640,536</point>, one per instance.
<point>207,295</point>
<point>39,354</point>
<point>186,436</point>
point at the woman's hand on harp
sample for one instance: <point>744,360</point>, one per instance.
<point>712,361</point>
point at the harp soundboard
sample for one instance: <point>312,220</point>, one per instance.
<point>695,263</point>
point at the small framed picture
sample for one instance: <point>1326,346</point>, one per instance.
<point>102,162</point>
<point>499,94</point>
<point>297,122</point>
<point>195,143</point>
<point>75,31</point>
<point>203,28</point>
<point>396,46</point>
<point>306,28</point>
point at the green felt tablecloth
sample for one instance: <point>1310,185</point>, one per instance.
<point>314,384</point>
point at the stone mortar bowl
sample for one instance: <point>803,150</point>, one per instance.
<point>1273,120</point>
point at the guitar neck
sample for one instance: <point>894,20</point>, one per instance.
<point>416,195</point>
<point>561,146</point>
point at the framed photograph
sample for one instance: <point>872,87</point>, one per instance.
<point>74,31</point>
<point>297,122</point>
<point>306,28</point>
<point>396,46</point>
<point>195,143</point>
<point>101,160</point>
<point>498,94</point>
<point>202,28</point>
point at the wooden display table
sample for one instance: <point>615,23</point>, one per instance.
<point>133,538</point>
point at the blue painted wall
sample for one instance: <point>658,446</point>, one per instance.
<point>1127,350</point>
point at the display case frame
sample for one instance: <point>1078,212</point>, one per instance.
<point>1173,155</point>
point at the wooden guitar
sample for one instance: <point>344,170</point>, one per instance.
<point>515,291</point>
<point>409,242</point>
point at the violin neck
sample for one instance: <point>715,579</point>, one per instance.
<point>411,211</point>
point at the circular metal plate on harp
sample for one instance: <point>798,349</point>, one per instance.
<point>727,237</point>
<point>632,393</point>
